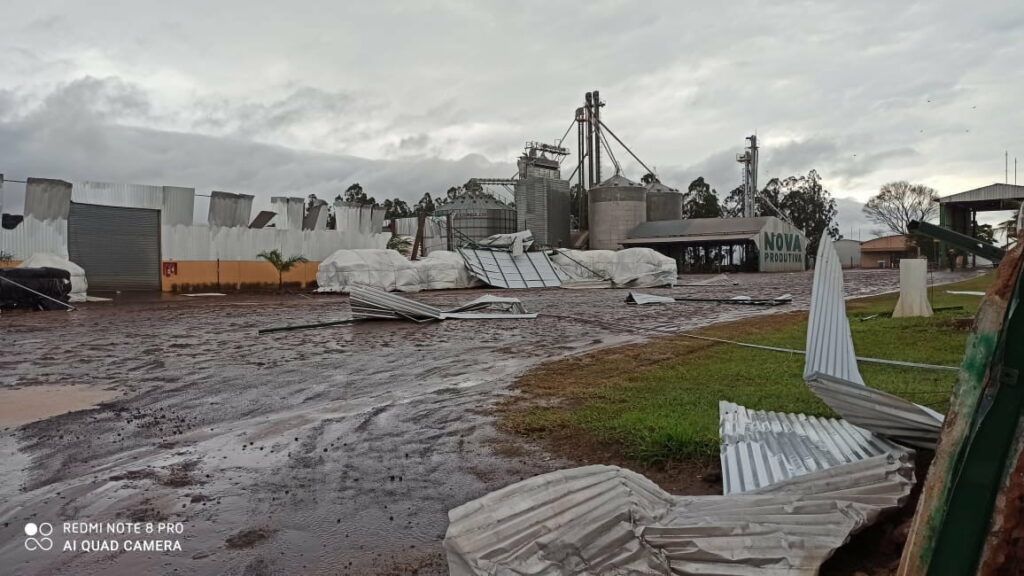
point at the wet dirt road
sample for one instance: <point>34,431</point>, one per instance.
<point>330,451</point>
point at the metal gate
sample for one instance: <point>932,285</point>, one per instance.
<point>119,248</point>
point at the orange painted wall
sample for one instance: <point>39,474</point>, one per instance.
<point>195,276</point>
<point>11,264</point>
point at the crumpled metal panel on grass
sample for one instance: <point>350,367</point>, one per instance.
<point>607,520</point>
<point>760,448</point>
<point>830,367</point>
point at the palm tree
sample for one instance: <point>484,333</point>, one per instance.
<point>281,264</point>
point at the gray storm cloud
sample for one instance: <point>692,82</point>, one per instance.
<point>408,98</point>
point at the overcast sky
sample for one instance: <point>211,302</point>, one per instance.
<point>275,98</point>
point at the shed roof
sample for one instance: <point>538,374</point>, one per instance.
<point>992,192</point>
<point>738,227</point>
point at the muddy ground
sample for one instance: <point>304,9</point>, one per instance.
<point>330,451</point>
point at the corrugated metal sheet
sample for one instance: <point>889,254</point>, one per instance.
<point>990,192</point>
<point>762,448</point>
<point>119,248</point>
<point>229,210</point>
<point>374,304</point>
<point>121,195</point>
<point>33,236</point>
<point>830,368</point>
<point>829,342</point>
<point>220,243</point>
<point>289,212</point>
<point>504,270</point>
<point>47,199</point>
<point>606,520</point>
<point>178,206</point>
<point>880,412</point>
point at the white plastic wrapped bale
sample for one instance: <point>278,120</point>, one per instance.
<point>79,285</point>
<point>629,268</point>
<point>388,270</point>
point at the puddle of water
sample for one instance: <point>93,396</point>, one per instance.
<point>23,405</point>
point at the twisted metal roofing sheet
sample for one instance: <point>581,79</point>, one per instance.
<point>606,520</point>
<point>762,448</point>
<point>830,368</point>
<point>829,342</point>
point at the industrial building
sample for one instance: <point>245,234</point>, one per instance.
<point>959,212</point>
<point>763,243</point>
<point>542,196</point>
<point>886,252</point>
<point>848,252</point>
<point>141,237</point>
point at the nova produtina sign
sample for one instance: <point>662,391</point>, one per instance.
<point>783,248</point>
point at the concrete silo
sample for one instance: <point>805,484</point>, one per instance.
<point>663,203</point>
<point>617,206</point>
<point>478,215</point>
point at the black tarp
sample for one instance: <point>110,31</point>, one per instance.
<point>53,282</point>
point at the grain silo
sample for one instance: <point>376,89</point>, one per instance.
<point>663,203</point>
<point>477,215</point>
<point>617,206</point>
<point>542,197</point>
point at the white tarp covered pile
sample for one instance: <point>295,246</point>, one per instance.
<point>606,520</point>
<point>79,285</point>
<point>388,270</point>
<point>629,268</point>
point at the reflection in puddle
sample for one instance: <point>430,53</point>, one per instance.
<point>23,405</point>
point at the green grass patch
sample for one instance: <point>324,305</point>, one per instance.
<point>666,409</point>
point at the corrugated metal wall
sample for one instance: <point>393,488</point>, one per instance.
<point>222,243</point>
<point>114,194</point>
<point>178,205</point>
<point>33,235</point>
<point>119,248</point>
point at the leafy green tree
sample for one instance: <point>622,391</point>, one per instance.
<point>425,205</point>
<point>281,264</point>
<point>732,206</point>
<point>701,201</point>
<point>809,207</point>
<point>396,208</point>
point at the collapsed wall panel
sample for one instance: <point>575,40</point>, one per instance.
<point>229,210</point>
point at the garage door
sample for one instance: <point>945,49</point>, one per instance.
<point>119,248</point>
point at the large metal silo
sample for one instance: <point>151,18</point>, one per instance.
<point>617,206</point>
<point>542,197</point>
<point>478,215</point>
<point>663,203</point>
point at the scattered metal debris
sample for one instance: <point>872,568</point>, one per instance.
<point>762,448</point>
<point>606,520</point>
<point>507,270</point>
<point>374,304</point>
<point>641,299</point>
<point>718,280</point>
<point>966,292</point>
<point>830,368</point>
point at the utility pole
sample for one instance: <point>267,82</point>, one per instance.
<point>597,137</point>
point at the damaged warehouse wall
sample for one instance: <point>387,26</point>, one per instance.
<point>228,209</point>
<point>222,254</point>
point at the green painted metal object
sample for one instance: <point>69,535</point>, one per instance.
<point>968,516</point>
